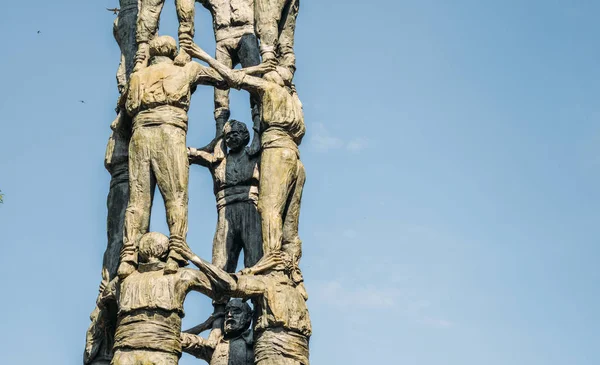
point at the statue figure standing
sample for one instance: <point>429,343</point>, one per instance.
<point>147,28</point>
<point>102,327</point>
<point>157,99</point>
<point>275,27</point>
<point>235,177</point>
<point>282,174</point>
<point>234,346</point>
<point>233,24</point>
<point>151,306</point>
<point>124,29</point>
<point>236,180</point>
<point>282,327</point>
<point>117,154</point>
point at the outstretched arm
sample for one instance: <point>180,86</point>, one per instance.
<point>202,75</point>
<point>259,70</point>
<point>197,346</point>
<point>218,277</point>
<point>239,79</point>
<point>204,158</point>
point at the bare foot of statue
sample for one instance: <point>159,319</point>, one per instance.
<point>125,269</point>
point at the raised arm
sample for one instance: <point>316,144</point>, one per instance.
<point>218,277</point>
<point>238,79</point>
<point>202,75</point>
<point>254,148</point>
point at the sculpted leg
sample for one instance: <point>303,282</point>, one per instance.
<point>287,58</point>
<point>291,240</point>
<point>143,357</point>
<point>185,14</point>
<point>267,14</point>
<point>222,112</point>
<point>251,234</point>
<point>223,244</point>
<point>125,34</point>
<point>170,165</point>
<point>121,72</point>
<point>123,358</point>
<point>278,172</point>
<point>141,190</point>
<point>116,162</point>
<point>248,52</point>
<point>146,28</point>
<point>249,55</point>
<point>223,241</point>
<point>279,360</point>
<point>116,202</point>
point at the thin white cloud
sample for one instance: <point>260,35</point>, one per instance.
<point>357,144</point>
<point>337,294</point>
<point>323,141</point>
<point>436,322</point>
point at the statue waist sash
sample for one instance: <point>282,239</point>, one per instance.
<point>164,114</point>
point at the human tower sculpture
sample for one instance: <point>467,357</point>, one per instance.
<point>260,314</point>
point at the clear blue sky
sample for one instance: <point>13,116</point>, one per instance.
<point>451,209</point>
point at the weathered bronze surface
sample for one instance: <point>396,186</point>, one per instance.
<point>257,185</point>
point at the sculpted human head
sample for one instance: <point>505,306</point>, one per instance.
<point>238,316</point>
<point>163,46</point>
<point>153,247</point>
<point>236,135</point>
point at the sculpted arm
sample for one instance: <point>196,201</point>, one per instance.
<point>109,294</point>
<point>202,75</point>
<point>218,277</point>
<point>197,281</point>
<point>254,148</point>
<point>240,79</point>
<point>249,286</point>
<point>131,98</point>
<point>200,157</point>
<point>197,346</point>
<point>205,158</point>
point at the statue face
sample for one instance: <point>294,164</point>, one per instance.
<point>234,139</point>
<point>235,318</point>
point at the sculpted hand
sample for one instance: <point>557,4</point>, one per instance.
<point>182,249</point>
<point>192,49</point>
<point>186,340</point>
<point>192,152</point>
<point>186,44</point>
<point>274,259</point>
<point>268,261</point>
<point>247,271</point>
<point>268,66</point>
